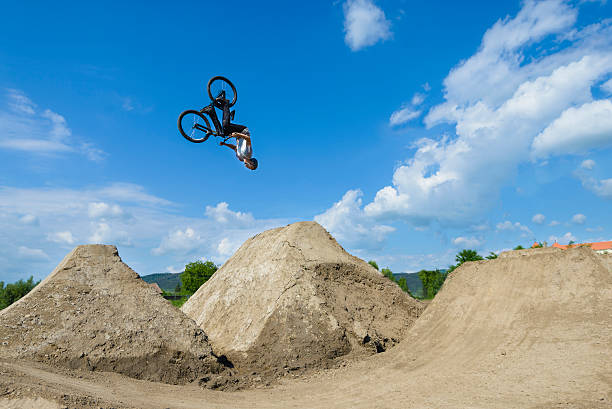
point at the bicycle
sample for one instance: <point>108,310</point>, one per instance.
<point>194,125</point>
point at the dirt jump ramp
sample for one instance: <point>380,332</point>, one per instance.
<point>292,297</point>
<point>93,312</point>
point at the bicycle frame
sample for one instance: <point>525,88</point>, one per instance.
<point>212,114</point>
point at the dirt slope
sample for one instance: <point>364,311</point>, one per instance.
<point>94,312</point>
<point>292,297</point>
<point>530,330</point>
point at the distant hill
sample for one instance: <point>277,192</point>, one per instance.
<point>165,281</point>
<point>413,281</point>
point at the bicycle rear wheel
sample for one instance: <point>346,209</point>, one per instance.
<point>194,126</point>
<point>218,84</point>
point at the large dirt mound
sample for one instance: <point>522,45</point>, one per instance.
<point>535,324</point>
<point>291,297</point>
<point>93,312</point>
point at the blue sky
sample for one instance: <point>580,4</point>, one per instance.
<point>410,130</point>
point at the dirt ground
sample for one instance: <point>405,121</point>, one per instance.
<point>292,298</point>
<point>529,330</point>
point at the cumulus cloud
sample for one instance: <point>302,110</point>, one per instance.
<point>577,130</point>
<point>500,101</point>
<point>34,254</point>
<point>554,223</point>
<point>538,218</point>
<point>29,219</point>
<point>600,187</point>
<point>588,164</point>
<point>467,242</point>
<point>227,247</point>
<point>24,128</point>
<point>403,115</point>
<point>408,112</point>
<point>99,210</point>
<point>516,226</point>
<point>221,213</point>
<point>179,241</point>
<point>365,24</point>
<point>349,224</point>
<point>579,218</point>
<point>62,237</point>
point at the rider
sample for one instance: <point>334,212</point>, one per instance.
<point>243,147</point>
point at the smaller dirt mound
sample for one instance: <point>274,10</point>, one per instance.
<point>292,298</point>
<point>93,312</point>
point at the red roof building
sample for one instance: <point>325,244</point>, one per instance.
<point>599,247</point>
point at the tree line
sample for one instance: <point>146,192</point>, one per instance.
<point>13,292</point>
<point>434,279</point>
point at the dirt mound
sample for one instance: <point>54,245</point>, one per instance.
<point>93,312</point>
<point>291,297</point>
<point>535,324</point>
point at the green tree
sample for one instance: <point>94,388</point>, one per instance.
<point>491,256</point>
<point>403,285</point>
<point>373,264</point>
<point>177,289</point>
<point>196,274</point>
<point>432,281</point>
<point>519,247</point>
<point>467,255</point>
<point>388,273</point>
<point>13,292</point>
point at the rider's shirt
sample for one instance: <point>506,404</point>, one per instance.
<point>243,149</point>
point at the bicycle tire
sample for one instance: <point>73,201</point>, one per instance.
<point>189,136</point>
<point>221,78</point>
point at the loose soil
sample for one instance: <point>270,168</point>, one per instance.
<point>528,330</point>
<point>94,313</point>
<point>293,298</point>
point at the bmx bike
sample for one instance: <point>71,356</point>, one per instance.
<point>194,125</point>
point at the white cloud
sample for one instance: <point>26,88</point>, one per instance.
<point>403,115</point>
<point>554,223</point>
<point>349,224</point>
<point>577,130</point>
<point>29,219</point>
<point>417,99</point>
<point>179,241</point>
<point>602,188</point>
<point>538,218</point>
<point>565,239</point>
<point>226,247</point>
<point>23,128</point>
<point>140,223</point>
<point>100,210</point>
<point>500,99</point>
<point>34,254</point>
<point>467,242</point>
<point>365,24</point>
<point>507,225</point>
<point>105,233</point>
<point>222,214</point>
<point>594,229</point>
<point>579,218</point>
<point>62,237</point>
<point>19,102</point>
<point>588,164</point>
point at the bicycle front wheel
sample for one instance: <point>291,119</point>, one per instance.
<point>194,126</point>
<point>218,84</point>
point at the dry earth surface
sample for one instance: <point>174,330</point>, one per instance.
<point>293,298</point>
<point>531,329</point>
